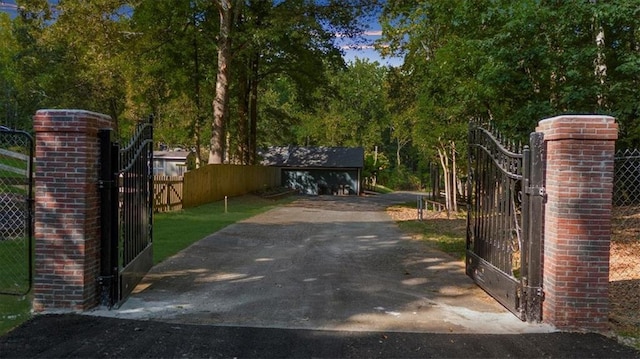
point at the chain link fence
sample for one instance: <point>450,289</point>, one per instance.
<point>624,274</point>
<point>16,188</point>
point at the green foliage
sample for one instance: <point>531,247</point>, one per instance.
<point>9,106</point>
<point>514,63</point>
<point>71,58</point>
<point>399,178</point>
<point>355,114</point>
<point>503,60</point>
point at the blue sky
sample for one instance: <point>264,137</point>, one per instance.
<point>8,6</point>
<point>366,50</point>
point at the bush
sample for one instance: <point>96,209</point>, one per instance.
<point>399,179</point>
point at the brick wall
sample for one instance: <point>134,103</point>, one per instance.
<point>579,186</point>
<point>67,238</point>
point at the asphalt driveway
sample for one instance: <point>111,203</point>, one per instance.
<point>321,277</point>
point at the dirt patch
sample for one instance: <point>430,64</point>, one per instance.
<point>624,274</point>
<point>338,203</point>
<point>624,261</point>
<point>403,214</point>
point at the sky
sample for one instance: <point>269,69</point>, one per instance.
<point>350,48</point>
<point>366,50</point>
<point>8,6</point>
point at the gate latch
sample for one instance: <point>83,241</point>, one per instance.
<point>536,191</point>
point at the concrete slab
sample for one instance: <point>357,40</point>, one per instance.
<point>323,263</point>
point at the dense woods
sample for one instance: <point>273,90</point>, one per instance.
<point>225,77</point>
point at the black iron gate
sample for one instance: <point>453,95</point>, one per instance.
<point>504,225</point>
<point>126,183</point>
<point>16,211</point>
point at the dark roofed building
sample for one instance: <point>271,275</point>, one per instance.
<point>318,170</point>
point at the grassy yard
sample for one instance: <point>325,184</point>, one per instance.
<point>445,233</point>
<point>13,311</point>
<point>172,232</point>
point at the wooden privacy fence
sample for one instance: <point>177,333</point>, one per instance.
<point>213,182</point>
<point>167,193</point>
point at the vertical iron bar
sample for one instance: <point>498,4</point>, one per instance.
<point>526,225</point>
<point>536,229</point>
<point>106,186</point>
<point>150,179</point>
<point>30,209</point>
<point>114,216</point>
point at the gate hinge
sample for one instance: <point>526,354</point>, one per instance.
<point>536,191</point>
<point>105,184</point>
<point>534,291</point>
<point>105,283</point>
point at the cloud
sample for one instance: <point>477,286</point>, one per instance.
<point>357,47</point>
<point>366,33</point>
<point>363,47</point>
<point>373,33</point>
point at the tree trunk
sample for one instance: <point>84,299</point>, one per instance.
<point>444,162</point>
<point>253,110</point>
<point>600,64</point>
<point>454,182</point>
<point>199,120</point>
<point>220,102</point>
<point>243,114</point>
<point>375,156</point>
<point>398,148</point>
<point>197,138</point>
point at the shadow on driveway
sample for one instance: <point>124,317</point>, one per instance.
<point>321,277</point>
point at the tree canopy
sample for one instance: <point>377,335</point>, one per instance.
<point>225,77</point>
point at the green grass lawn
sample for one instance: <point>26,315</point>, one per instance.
<point>6,178</point>
<point>446,234</point>
<point>172,232</point>
<point>14,310</point>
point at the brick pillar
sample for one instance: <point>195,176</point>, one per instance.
<point>67,233</point>
<point>577,235</point>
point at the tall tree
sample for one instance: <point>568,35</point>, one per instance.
<point>514,63</point>
<point>9,82</point>
<point>355,115</point>
<point>220,102</point>
<point>277,38</point>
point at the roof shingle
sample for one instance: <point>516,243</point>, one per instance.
<point>313,157</point>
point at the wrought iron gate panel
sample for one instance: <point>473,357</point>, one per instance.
<point>127,213</point>
<point>499,220</point>
<point>16,211</point>
<point>136,208</point>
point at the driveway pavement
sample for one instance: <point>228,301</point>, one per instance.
<point>321,277</point>
<point>330,263</point>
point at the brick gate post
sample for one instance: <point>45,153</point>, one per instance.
<point>579,185</point>
<point>67,227</point>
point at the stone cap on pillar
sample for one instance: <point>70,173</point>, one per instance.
<point>579,127</point>
<point>53,120</point>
